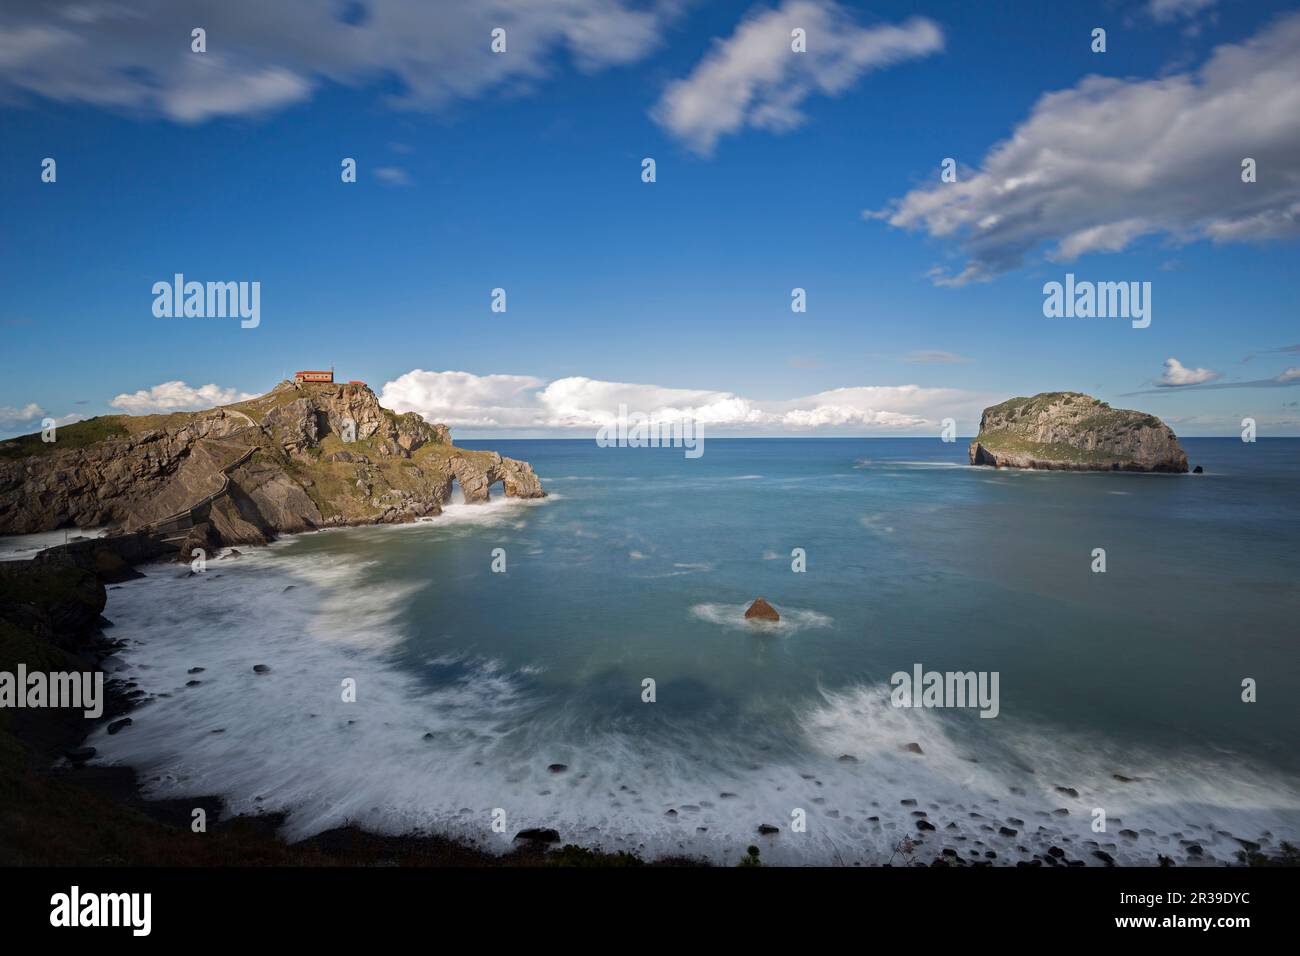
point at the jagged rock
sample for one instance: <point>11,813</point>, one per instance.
<point>1074,432</point>
<point>200,537</point>
<point>760,610</point>
<point>244,474</point>
<point>477,471</point>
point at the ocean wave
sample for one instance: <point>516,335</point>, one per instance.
<point>20,547</point>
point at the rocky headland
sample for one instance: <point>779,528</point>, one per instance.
<point>1070,431</point>
<point>302,457</point>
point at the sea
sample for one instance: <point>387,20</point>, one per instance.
<point>582,662</point>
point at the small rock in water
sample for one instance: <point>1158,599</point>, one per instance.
<point>539,835</point>
<point>117,725</point>
<point>767,829</point>
<point>924,825</point>
<point>1198,470</point>
<point>760,610</point>
<point>1104,857</point>
<point>80,754</point>
<point>558,767</point>
<point>195,670</point>
<point>193,683</point>
<point>847,758</point>
<point>912,748</point>
<point>261,669</point>
<point>1068,791</point>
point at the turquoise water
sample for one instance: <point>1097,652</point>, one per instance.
<point>470,683</point>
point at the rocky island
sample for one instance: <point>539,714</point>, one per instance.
<point>1071,431</point>
<point>304,456</point>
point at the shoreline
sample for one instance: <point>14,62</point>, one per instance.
<point>256,835</point>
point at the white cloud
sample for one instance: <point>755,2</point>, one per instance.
<point>1176,374</point>
<point>10,416</point>
<point>1166,10</point>
<point>392,175</point>
<point>754,79</point>
<point>177,397</point>
<point>1097,166</point>
<point>1290,375</point>
<point>521,402</point>
<point>462,398</point>
<point>264,56</point>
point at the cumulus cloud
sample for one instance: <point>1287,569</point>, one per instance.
<point>392,175</point>
<point>754,79</point>
<point>10,416</point>
<point>177,397</point>
<point>462,398</point>
<point>1285,379</point>
<point>264,56</point>
<point>1166,10</point>
<point>522,402</point>
<point>1098,166</point>
<point>1176,374</point>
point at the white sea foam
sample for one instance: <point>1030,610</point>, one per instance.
<point>19,547</point>
<point>288,742</point>
<point>732,617</point>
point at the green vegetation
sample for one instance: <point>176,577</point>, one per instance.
<point>1006,443</point>
<point>76,435</point>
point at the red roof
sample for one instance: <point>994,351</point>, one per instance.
<point>315,372</point>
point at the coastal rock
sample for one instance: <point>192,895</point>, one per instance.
<point>478,471</point>
<point>539,835</point>
<point>57,603</point>
<point>760,610</point>
<point>301,457</point>
<point>1071,431</point>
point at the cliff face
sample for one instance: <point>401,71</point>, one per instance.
<point>1074,432</point>
<point>278,463</point>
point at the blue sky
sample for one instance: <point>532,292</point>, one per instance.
<point>522,171</point>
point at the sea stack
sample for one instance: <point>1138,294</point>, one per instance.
<point>1070,431</point>
<point>760,610</point>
